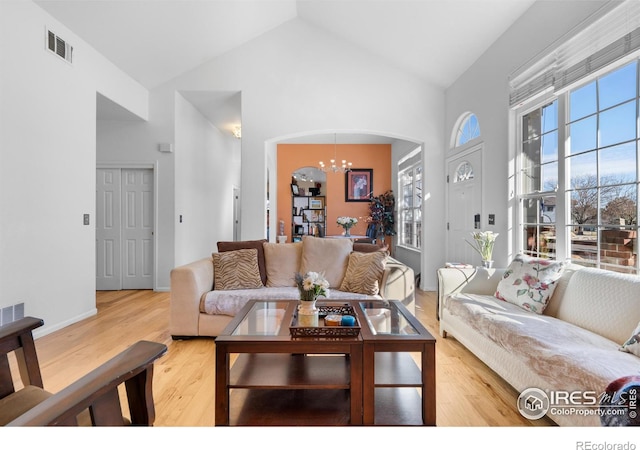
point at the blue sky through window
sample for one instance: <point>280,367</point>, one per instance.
<point>603,125</point>
<point>470,129</point>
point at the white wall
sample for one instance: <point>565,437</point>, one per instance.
<point>207,165</point>
<point>47,165</point>
<point>484,90</point>
<point>298,79</point>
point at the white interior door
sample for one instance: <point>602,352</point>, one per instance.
<point>464,211</point>
<point>124,229</point>
<point>108,230</point>
<point>137,229</point>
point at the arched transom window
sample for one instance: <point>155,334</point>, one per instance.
<point>469,129</point>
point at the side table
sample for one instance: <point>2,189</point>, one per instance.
<point>390,374</point>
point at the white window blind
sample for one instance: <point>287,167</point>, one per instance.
<point>611,37</point>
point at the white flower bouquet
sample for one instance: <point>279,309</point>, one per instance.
<point>311,286</point>
<point>484,241</point>
<point>346,222</point>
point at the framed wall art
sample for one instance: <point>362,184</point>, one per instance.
<point>358,185</point>
<point>316,203</point>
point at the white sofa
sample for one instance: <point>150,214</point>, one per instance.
<point>199,308</point>
<point>574,345</point>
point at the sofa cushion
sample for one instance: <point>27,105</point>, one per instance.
<point>602,301</point>
<point>632,345</point>
<point>282,261</point>
<point>327,256</point>
<point>14,405</point>
<point>561,287</point>
<point>227,246</point>
<point>564,356</point>
<point>364,272</point>
<point>529,282</point>
<point>237,269</point>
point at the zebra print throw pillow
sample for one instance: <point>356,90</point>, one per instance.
<point>364,272</point>
<point>237,269</point>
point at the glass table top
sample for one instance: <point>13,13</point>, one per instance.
<point>266,318</point>
<point>385,318</point>
<point>263,319</point>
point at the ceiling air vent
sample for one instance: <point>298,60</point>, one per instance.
<point>58,46</point>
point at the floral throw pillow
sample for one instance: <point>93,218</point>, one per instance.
<point>632,345</point>
<point>529,282</point>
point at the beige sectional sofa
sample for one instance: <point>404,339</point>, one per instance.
<point>203,300</point>
<point>574,345</point>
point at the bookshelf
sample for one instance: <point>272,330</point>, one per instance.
<point>308,216</point>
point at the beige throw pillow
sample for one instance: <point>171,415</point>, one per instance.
<point>237,269</point>
<point>327,256</point>
<point>282,262</point>
<point>364,272</point>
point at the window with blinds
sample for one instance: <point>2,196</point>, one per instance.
<point>578,181</point>
<point>611,38</point>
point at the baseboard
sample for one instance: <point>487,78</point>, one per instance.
<point>58,326</point>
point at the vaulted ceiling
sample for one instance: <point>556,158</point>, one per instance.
<point>156,40</point>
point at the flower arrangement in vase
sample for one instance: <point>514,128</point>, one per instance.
<point>310,286</point>
<point>484,241</point>
<point>346,223</point>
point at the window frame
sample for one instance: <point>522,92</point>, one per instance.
<point>463,121</point>
<point>564,223</point>
<point>416,194</point>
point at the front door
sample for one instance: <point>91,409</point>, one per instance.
<point>464,209</point>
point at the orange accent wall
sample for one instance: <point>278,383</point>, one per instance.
<point>291,157</point>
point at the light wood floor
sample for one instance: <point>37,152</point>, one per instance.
<point>468,393</point>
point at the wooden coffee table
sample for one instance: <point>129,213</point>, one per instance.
<point>264,376</point>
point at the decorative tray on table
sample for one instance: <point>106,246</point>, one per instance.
<point>324,330</point>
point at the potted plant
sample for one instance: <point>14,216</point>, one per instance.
<point>381,214</point>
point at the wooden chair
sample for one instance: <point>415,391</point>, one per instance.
<point>91,400</point>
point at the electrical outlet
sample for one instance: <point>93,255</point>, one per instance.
<point>85,219</point>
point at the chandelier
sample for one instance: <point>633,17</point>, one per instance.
<point>345,166</point>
